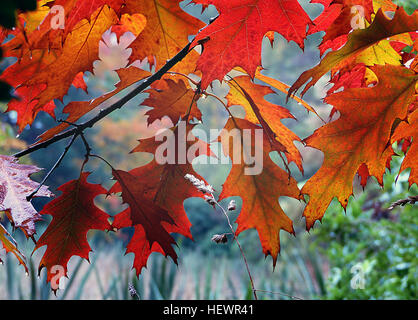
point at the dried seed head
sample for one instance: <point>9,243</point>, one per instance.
<point>199,184</point>
<point>232,205</point>
<point>220,238</point>
<point>132,291</point>
<point>210,200</point>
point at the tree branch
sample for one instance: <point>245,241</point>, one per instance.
<point>117,105</point>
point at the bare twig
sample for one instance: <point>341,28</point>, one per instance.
<point>67,148</point>
<point>183,75</point>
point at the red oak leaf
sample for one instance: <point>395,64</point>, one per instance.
<point>73,215</point>
<point>234,38</point>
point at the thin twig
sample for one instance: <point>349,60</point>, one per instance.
<point>67,148</point>
<point>183,75</point>
<point>239,246</point>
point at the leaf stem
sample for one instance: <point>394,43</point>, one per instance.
<point>239,246</point>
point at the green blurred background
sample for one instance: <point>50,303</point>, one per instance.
<point>318,265</point>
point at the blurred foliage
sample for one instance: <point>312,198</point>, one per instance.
<point>382,243</point>
<point>409,5</point>
<point>8,141</point>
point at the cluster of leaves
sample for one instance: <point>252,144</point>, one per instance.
<point>373,72</point>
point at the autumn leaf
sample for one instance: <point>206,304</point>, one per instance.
<point>171,98</point>
<point>276,84</point>
<point>10,245</point>
<point>266,114</point>
<point>79,82</point>
<point>234,38</point>
<point>79,52</point>
<point>130,23</point>
<point>260,193</point>
<point>26,96</point>
<point>164,182</point>
<point>165,34</point>
<point>25,105</point>
<point>358,41</point>
<point>147,217</point>
<point>15,186</point>
<point>407,130</point>
<point>78,10</point>
<point>73,215</point>
<point>360,136</point>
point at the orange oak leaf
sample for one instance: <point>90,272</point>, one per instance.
<point>73,215</point>
<point>358,41</point>
<point>172,98</point>
<point>352,14</point>
<point>77,109</point>
<point>15,186</point>
<point>360,136</point>
<point>10,245</point>
<point>47,28</point>
<point>235,37</point>
<point>59,19</point>
<point>165,34</point>
<point>77,10</point>
<point>130,23</point>
<point>260,193</point>
<point>407,130</point>
<point>79,52</point>
<point>26,101</point>
<point>270,113</point>
<point>338,18</point>
<point>329,14</point>
<point>276,84</point>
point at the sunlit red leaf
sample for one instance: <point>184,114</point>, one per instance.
<point>234,38</point>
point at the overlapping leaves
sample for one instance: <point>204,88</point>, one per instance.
<point>373,72</point>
